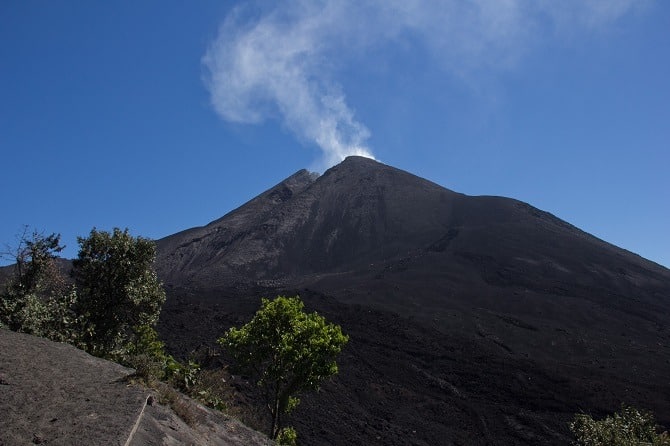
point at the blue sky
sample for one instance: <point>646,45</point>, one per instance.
<point>160,116</point>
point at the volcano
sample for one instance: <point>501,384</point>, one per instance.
<point>474,320</point>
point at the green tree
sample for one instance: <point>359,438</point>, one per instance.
<point>35,267</point>
<point>119,292</point>
<point>287,350</point>
<point>629,427</point>
<point>37,298</point>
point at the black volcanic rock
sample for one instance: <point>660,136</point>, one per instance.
<point>473,320</point>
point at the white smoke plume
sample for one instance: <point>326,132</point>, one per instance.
<point>279,61</point>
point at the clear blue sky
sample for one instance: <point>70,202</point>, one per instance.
<point>160,116</point>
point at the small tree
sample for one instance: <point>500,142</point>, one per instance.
<point>119,293</point>
<point>35,267</point>
<point>629,427</point>
<point>287,350</point>
<point>37,298</point>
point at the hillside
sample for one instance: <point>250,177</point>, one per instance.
<point>56,394</point>
<point>473,320</point>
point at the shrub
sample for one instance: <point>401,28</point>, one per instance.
<point>287,436</point>
<point>146,354</point>
<point>629,427</point>
<point>147,367</point>
<point>37,298</point>
<point>50,317</point>
<point>183,376</point>
<point>184,410</point>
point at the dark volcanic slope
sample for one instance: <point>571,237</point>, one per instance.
<point>469,316</point>
<point>362,212</point>
<point>356,213</point>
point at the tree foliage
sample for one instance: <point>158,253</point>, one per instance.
<point>118,289</point>
<point>35,267</point>
<point>287,350</point>
<point>287,436</point>
<point>121,300</point>
<point>629,427</point>
<point>37,299</point>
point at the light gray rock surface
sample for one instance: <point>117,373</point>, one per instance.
<point>56,394</point>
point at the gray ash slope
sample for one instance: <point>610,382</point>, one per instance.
<point>469,315</point>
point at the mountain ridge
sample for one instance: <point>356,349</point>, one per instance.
<point>272,211</point>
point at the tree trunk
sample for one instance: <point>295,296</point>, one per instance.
<point>275,410</point>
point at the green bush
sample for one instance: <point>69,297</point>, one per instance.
<point>50,317</point>
<point>210,399</point>
<point>287,436</point>
<point>26,313</point>
<point>147,367</point>
<point>629,427</point>
<point>37,298</point>
<point>183,376</point>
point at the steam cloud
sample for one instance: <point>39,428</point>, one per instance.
<point>279,61</point>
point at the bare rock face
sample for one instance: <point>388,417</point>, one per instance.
<point>55,394</point>
<point>473,320</point>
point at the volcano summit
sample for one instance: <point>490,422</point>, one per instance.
<point>472,320</point>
